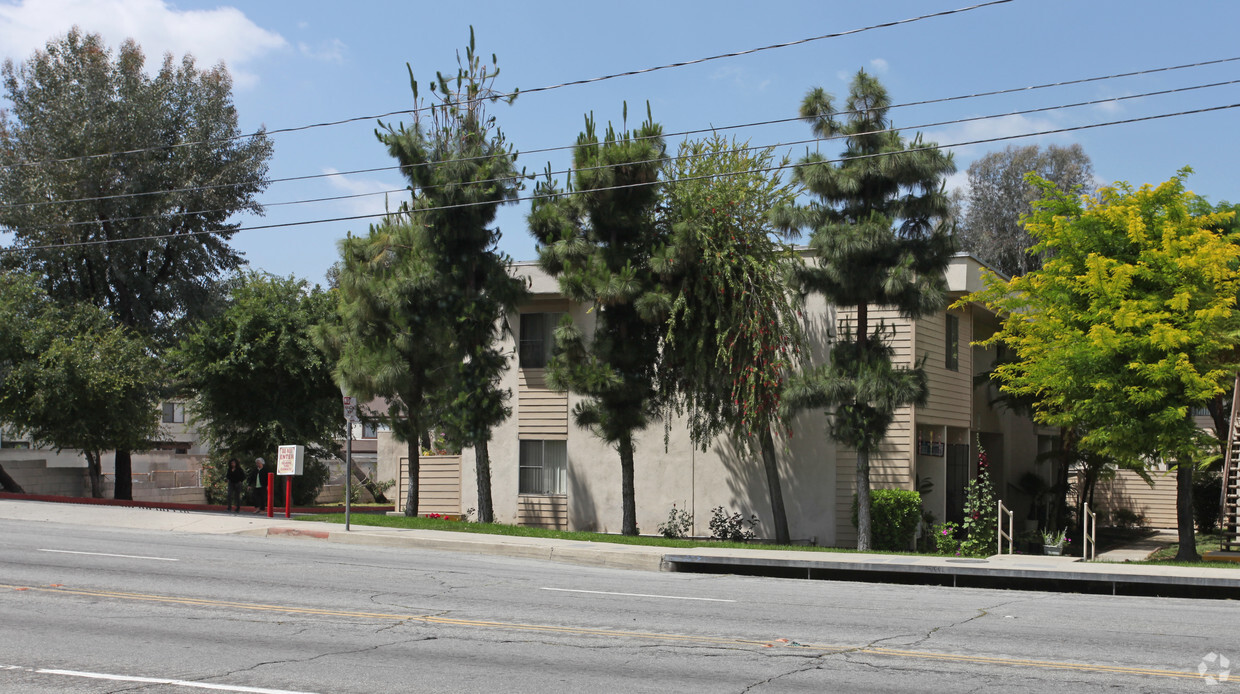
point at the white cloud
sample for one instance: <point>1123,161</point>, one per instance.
<point>879,65</point>
<point>371,200</point>
<point>331,51</point>
<point>223,34</point>
<point>992,128</point>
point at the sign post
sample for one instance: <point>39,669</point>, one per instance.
<point>350,418</point>
<point>289,462</point>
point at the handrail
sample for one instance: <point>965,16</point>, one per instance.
<point>1000,532</point>
<point>1089,538</point>
<point>1231,441</point>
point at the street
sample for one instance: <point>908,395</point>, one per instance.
<point>106,610</point>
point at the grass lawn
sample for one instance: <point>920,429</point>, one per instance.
<point>420,523</point>
<point>1206,542</point>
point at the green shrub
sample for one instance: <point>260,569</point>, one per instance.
<point>946,539</point>
<point>893,518</point>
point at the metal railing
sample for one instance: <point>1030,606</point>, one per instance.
<point>1000,533</point>
<point>1089,529</point>
<point>163,479</point>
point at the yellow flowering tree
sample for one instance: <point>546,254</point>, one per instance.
<point>1129,325</point>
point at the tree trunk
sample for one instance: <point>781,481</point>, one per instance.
<point>370,485</point>
<point>1184,512</point>
<point>863,500</point>
<point>482,469</point>
<point>779,515</point>
<point>124,476</point>
<point>415,465</point>
<point>94,468</point>
<point>9,484</point>
<point>628,525</point>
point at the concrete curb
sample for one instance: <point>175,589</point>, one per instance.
<point>599,555</point>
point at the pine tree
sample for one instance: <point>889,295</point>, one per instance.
<point>879,240</point>
<point>599,239</point>
<point>461,169</point>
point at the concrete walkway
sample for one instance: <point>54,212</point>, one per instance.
<point>1141,549</point>
<point>1004,571</point>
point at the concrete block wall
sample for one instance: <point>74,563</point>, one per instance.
<point>36,478</point>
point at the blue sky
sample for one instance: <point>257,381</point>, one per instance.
<point>299,63</point>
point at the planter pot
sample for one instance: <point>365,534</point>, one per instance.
<point>1052,550</point>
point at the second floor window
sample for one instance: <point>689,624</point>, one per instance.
<point>537,338</point>
<point>953,342</point>
<point>174,413</point>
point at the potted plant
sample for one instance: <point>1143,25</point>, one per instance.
<point>1052,543</point>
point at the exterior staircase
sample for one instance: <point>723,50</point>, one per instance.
<point>1229,520</point>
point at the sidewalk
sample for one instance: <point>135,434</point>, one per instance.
<point>1064,574</point>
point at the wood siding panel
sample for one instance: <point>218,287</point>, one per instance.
<point>951,392</point>
<point>439,484</point>
<point>543,511</point>
<point>1129,491</point>
<point>541,413</point>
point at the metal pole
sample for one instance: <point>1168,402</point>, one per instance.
<point>348,471</point>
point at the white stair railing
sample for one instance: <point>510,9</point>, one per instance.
<point>1089,528</point>
<point>1000,532</point>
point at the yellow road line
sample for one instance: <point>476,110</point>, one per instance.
<point>826,649</point>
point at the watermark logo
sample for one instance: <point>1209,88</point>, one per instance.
<point>1214,668</point>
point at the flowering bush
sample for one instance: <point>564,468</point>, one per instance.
<point>944,537</point>
<point>980,521</point>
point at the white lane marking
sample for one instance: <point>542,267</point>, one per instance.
<point>103,554</point>
<point>176,683</point>
<point>637,595</point>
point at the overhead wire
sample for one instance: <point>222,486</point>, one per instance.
<point>560,194</point>
<point>680,133</point>
<point>494,97</point>
<point>748,148</point>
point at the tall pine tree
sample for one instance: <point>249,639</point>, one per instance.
<point>879,239</point>
<point>599,239</point>
<point>461,169</point>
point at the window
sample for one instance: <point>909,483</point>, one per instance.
<point>370,430</point>
<point>174,413</point>
<point>544,467</point>
<point>953,342</point>
<point>537,338</point>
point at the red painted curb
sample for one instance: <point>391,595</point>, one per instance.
<point>171,506</point>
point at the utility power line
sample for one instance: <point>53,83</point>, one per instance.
<point>573,83</point>
<point>697,132</point>
<point>559,194</point>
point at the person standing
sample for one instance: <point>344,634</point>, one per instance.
<point>259,482</point>
<point>236,482</point>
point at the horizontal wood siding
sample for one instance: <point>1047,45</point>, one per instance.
<point>541,413</point>
<point>951,392</point>
<point>543,511</point>
<point>1129,491</point>
<point>891,466</point>
<point>439,484</point>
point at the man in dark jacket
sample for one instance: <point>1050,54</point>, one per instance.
<point>258,480</point>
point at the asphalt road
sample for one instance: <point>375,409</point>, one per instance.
<point>103,610</point>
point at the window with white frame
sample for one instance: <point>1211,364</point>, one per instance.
<point>544,467</point>
<point>537,338</point>
<point>174,413</point>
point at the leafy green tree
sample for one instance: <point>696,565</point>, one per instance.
<point>71,378</point>
<point>999,195</point>
<point>1129,325</point>
<point>461,169</point>
<point>118,186</point>
<point>388,340</point>
<point>879,239</point>
<point>259,381</point>
<point>732,336</point>
<point>600,239</point>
